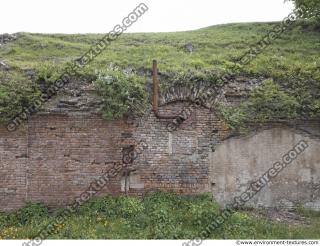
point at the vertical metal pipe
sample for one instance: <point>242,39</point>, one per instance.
<point>155,96</point>
<point>155,86</point>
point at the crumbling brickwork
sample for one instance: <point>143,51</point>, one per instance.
<point>55,157</point>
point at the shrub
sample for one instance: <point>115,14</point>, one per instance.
<point>311,9</point>
<point>121,92</point>
<point>31,212</point>
<point>308,212</point>
<point>46,75</point>
<point>203,212</point>
<point>267,102</point>
<point>106,205</point>
<point>16,94</point>
<point>129,206</point>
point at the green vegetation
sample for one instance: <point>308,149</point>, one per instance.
<point>311,8</point>
<point>119,90</point>
<point>214,48</point>
<point>265,103</point>
<point>16,92</point>
<point>292,61</point>
<point>157,216</point>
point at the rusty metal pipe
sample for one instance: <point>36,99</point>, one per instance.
<point>155,100</point>
<point>155,96</point>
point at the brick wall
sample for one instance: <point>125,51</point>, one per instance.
<point>13,163</point>
<point>178,160</point>
<point>55,157</point>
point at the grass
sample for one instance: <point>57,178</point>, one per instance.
<point>157,216</point>
<point>292,61</point>
<point>214,48</point>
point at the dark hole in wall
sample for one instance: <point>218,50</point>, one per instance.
<point>128,154</point>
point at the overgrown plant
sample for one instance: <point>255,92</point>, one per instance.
<point>265,103</point>
<point>16,93</point>
<point>120,91</point>
<point>158,215</point>
<point>46,74</point>
<point>311,8</point>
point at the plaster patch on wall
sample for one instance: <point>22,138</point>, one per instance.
<point>7,191</point>
<point>133,182</point>
<point>170,144</point>
<point>237,162</point>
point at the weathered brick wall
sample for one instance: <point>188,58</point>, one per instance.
<point>13,162</point>
<point>178,160</point>
<point>67,153</point>
<point>56,157</point>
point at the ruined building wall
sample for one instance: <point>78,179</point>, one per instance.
<point>55,157</point>
<point>178,160</point>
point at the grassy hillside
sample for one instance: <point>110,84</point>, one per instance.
<point>214,48</point>
<point>292,60</point>
<point>157,216</point>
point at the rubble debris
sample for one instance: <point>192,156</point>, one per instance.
<point>6,38</point>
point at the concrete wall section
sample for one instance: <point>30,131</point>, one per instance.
<point>238,162</point>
